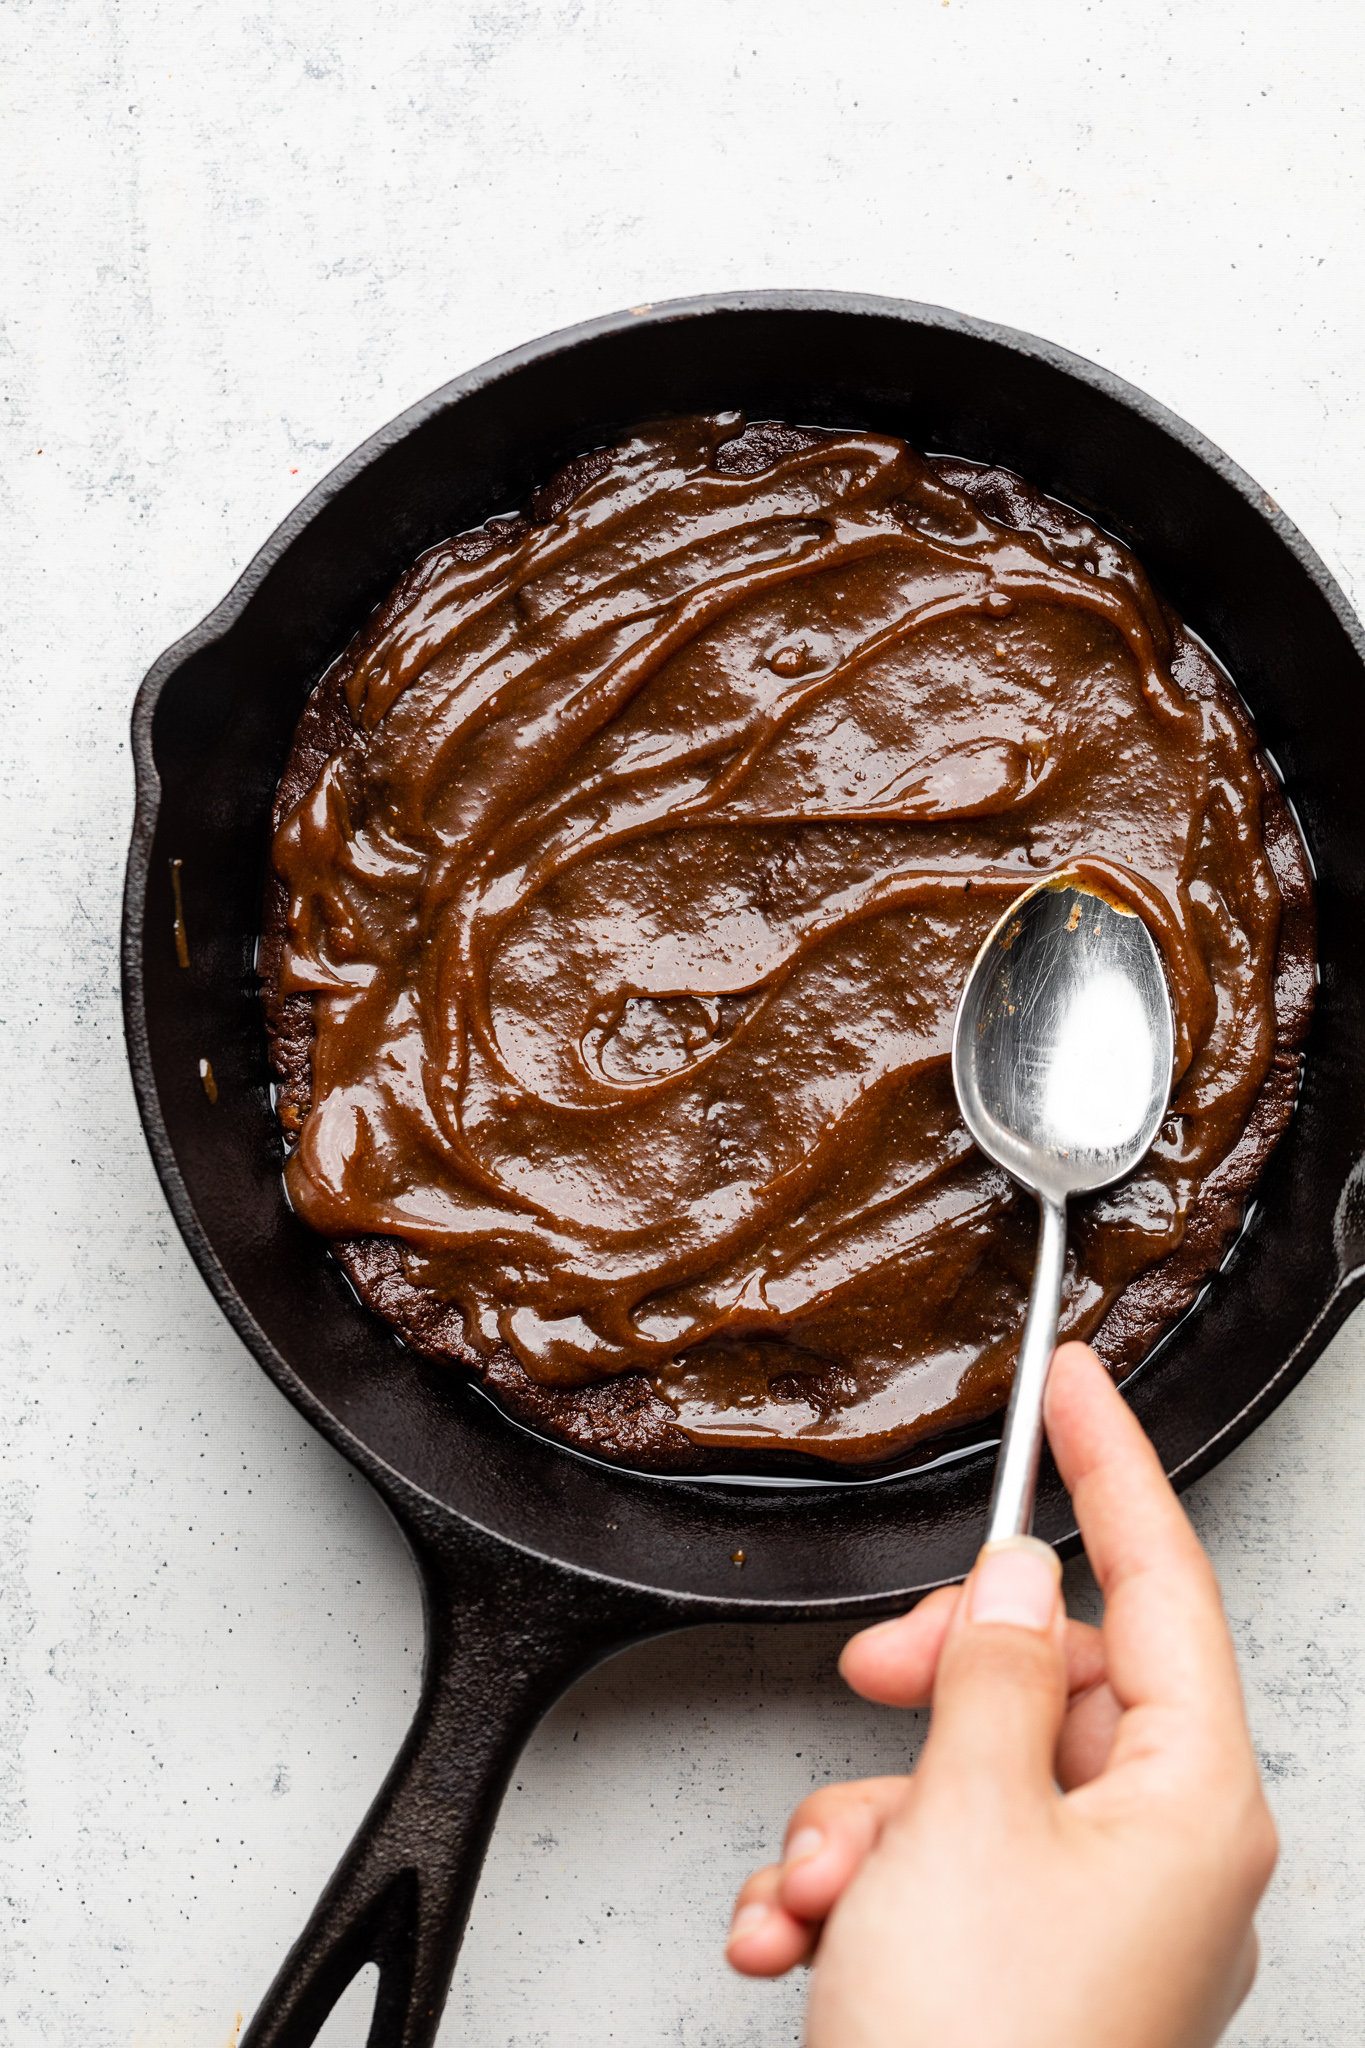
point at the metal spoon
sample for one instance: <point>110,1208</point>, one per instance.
<point>1062,1055</point>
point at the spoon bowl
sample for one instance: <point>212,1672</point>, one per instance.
<point>1062,1059</point>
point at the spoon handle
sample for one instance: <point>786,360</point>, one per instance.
<point>1016,1470</point>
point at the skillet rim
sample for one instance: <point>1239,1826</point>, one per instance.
<point>422,1513</point>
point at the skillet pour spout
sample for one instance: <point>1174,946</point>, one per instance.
<point>536,1563</point>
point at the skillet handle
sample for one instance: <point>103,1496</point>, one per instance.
<point>506,1634</point>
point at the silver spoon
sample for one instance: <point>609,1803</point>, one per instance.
<point>1062,1055</point>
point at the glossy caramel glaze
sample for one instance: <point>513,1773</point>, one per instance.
<point>628,868</point>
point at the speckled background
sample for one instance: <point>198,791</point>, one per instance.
<point>238,240</point>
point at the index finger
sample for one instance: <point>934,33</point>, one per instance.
<point>1165,1634</point>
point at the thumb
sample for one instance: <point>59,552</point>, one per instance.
<point>1000,1692</point>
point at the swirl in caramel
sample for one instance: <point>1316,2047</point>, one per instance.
<point>627,880</point>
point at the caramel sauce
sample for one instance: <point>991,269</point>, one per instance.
<point>625,892</point>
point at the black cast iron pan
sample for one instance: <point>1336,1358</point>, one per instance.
<point>537,1563</point>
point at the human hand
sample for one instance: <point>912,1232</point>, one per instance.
<point>973,1902</point>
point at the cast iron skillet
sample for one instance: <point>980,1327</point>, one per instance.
<point>537,1563</point>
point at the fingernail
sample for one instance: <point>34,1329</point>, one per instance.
<point>747,1919</point>
<point>1016,1582</point>
<point>804,1844</point>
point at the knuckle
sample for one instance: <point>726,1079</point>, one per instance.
<point>817,1809</point>
<point>850,1799</point>
<point>760,1886</point>
<point>994,1654</point>
<point>1234,1831</point>
<point>1261,1843</point>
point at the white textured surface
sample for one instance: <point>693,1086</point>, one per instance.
<point>240,239</point>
